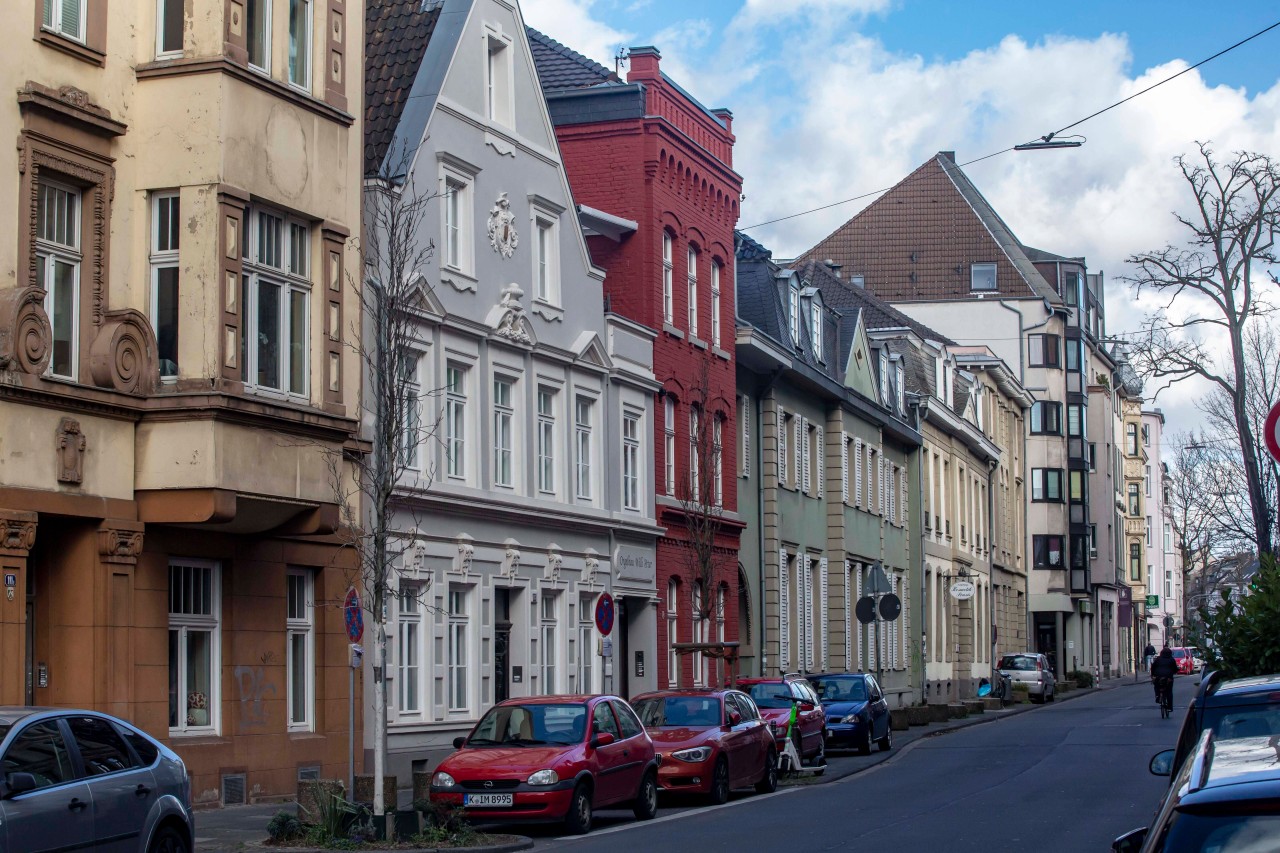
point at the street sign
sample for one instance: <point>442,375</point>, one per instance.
<point>890,607</point>
<point>1168,621</point>
<point>963,590</point>
<point>1153,601</point>
<point>865,610</point>
<point>353,616</point>
<point>1271,432</point>
<point>604,614</point>
<point>877,581</point>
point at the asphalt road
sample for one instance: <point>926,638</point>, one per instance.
<point>1068,777</point>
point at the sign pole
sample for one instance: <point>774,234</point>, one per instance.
<point>351,730</point>
<point>353,618</point>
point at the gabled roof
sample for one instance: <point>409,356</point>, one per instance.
<point>560,67</point>
<point>845,297</point>
<point>917,241</point>
<point>397,33</point>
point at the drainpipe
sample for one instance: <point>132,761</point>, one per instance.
<point>760,553</point>
<point>991,566</point>
<point>922,414</point>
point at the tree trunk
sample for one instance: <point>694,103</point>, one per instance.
<point>1248,449</point>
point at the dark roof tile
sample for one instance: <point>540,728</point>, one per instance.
<point>397,33</point>
<point>560,67</point>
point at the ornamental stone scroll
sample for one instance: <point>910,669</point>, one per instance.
<point>124,354</point>
<point>25,333</point>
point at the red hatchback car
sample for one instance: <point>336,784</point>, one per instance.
<point>775,696</point>
<point>551,758</point>
<point>711,741</point>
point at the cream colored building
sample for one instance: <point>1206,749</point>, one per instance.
<point>174,328</point>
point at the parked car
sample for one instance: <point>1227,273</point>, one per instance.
<point>551,758</point>
<point>84,780</point>
<point>1226,797</point>
<point>857,713</point>
<point>1032,670</point>
<point>711,741</point>
<point>1185,660</point>
<point>775,697</point>
<point>1242,707</point>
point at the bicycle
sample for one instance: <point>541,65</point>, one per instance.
<point>1164,685</point>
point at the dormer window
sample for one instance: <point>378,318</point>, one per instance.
<point>793,312</point>
<point>884,377</point>
<point>982,277</point>
<point>900,378</point>
<point>815,325</point>
<point>938,387</point>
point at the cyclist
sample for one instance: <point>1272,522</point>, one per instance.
<point>1163,669</point>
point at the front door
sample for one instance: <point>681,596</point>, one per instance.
<point>1047,637</point>
<point>57,814</point>
<point>501,673</point>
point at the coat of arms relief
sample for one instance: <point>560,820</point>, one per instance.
<point>502,227</point>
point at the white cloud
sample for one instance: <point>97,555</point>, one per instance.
<point>570,22</point>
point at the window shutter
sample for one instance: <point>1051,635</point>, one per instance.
<point>893,493</point>
<point>784,611</point>
<point>848,626</point>
<point>804,438</point>
<point>782,447</point>
<point>823,589</point>
<point>844,466</point>
<point>862,644</point>
<point>893,629</point>
<point>71,18</point>
<point>857,474</point>
<point>746,436</point>
<point>798,438</point>
<point>902,504</point>
<point>822,464</point>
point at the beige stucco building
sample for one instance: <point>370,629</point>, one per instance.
<point>174,322</point>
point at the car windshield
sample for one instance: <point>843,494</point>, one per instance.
<point>1219,833</point>
<point>1243,721</point>
<point>530,725</point>
<point>1020,663</point>
<point>679,711</point>
<point>1180,653</point>
<point>771,694</point>
<point>840,689</point>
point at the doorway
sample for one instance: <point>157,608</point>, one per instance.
<point>502,645</point>
<point>1047,637</point>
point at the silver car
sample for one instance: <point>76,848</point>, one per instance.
<point>84,780</point>
<point>1032,670</point>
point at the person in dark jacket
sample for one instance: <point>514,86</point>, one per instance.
<point>1164,666</point>
<point>1147,655</point>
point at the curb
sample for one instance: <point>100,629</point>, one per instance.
<point>521,842</point>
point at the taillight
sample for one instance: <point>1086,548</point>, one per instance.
<point>1039,666</point>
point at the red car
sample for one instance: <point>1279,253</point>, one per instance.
<point>551,758</point>
<point>712,741</point>
<point>775,696</point>
<point>1185,659</point>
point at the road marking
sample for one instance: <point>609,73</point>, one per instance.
<point>692,811</point>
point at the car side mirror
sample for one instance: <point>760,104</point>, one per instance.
<point>1131,841</point>
<point>458,742</point>
<point>602,739</point>
<point>1162,763</point>
<point>17,783</point>
<point>734,718</point>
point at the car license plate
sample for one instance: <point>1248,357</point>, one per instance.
<point>488,800</point>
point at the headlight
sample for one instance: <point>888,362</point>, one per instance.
<point>544,777</point>
<point>443,780</point>
<point>693,756</point>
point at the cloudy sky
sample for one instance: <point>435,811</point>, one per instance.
<point>836,98</point>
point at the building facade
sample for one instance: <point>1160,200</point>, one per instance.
<point>1162,554</point>
<point>177,391</point>
<point>533,495</point>
<point>652,172</point>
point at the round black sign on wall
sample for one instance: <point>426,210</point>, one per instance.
<point>890,607</point>
<point>865,610</point>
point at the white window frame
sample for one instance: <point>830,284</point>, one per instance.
<point>815,323</point>
<point>586,644</point>
<point>301,623</point>
<point>673,628</point>
<point>547,440</point>
<point>498,77</point>
<point>409,651</point>
<point>52,19</point>
<point>692,274</point>
<point>457,648</point>
<point>715,303</point>
<point>211,622</point>
<point>545,229</point>
<point>668,277</point>
<point>699,633</point>
<point>265,67</point>
<point>669,443</point>
<point>301,51</point>
<point>291,280</point>
<point>164,255</point>
<point>695,467</point>
<point>583,448</point>
<point>456,447</point>
<point>717,458</point>
<point>410,367</point>
<point>548,618</point>
<point>793,313</point>
<point>631,460</point>
<point>161,10</point>
<point>504,432</point>
<point>457,229</point>
<point>50,252</point>
<point>974,270</point>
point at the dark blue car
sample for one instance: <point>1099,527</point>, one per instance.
<point>856,711</point>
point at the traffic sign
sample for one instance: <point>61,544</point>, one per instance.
<point>604,614</point>
<point>877,581</point>
<point>353,616</point>
<point>865,610</point>
<point>890,607</point>
<point>1271,432</point>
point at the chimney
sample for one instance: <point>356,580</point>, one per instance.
<point>725,116</point>
<point>833,266</point>
<point>643,63</point>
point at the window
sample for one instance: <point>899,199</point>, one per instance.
<point>1071,288</point>
<point>455,421</point>
<point>695,472</point>
<point>815,327</point>
<point>550,652</point>
<point>1076,360</point>
<point>669,442</point>
<point>40,750</point>
<point>165,236</point>
<point>58,272</point>
<point>65,17</point>
<point>1148,531</point>
<point>102,750</point>
<point>793,313</point>
<point>715,304</point>
<point>194,641</point>
<point>602,721</point>
<point>693,292</point>
<point>582,446</point>
<point>409,652</point>
<point>1146,435</point>
<point>1135,500</point>
<point>630,461</point>
<point>457,639</point>
<point>300,43</point>
<point>545,260</point>
<point>546,441</point>
<point>1131,439</point>
<point>1047,551</point>
<point>982,276</point>
<point>300,645</point>
<point>497,80</point>
<point>258,33</point>
<point>276,292</point>
<point>1168,538</point>
<point>1093,457</point>
<point>1093,540</point>
<point>668,298</point>
<point>1075,481</point>
<point>673,662</point>
<point>884,377</point>
<point>410,402</point>
<point>168,27</point>
<point>717,458</point>
<point>1046,418</point>
<point>699,633</point>
<point>1076,421</point>
<point>1146,482</point>
<point>503,439</point>
<point>1043,351</point>
<point>1135,561</point>
<point>456,220</point>
<point>1046,484</point>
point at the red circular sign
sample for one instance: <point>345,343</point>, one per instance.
<point>1271,432</point>
<point>604,614</point>
<point>353,616</point>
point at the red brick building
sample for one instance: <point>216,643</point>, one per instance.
<point>651,170</point>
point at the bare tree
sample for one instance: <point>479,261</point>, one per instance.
<point>1191,508</point>
<point>1215,274</point>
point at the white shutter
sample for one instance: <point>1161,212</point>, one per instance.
<point>848,615</point>
<point>745,461</point>
<point>893,629</point>
<point>884,485</point>
<point>823,590</point>
<point>822,464</point>
<point>844,466</point>
<point>857,474</point>
<point>893,494</point>
<point>782,447</point>
<point>902,504</point>
<point>798,438</point>
<point>805,612</point>
<point>804,438</point>
<point>784,611</point>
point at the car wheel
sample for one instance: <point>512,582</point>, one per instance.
<point>168,840</point>
<point>820,758</point>
<point>769,781</point>
<point>578,820</point>
<point>720,782</point>
<point>864,748</point>
<point>1053,694</point>
<point>646,804</point>
<point>886,743</point>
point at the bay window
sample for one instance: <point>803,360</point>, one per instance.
<point>58,261</point>
<point>276,294</point>
<point>165,237</point>
<point>300,43</point>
